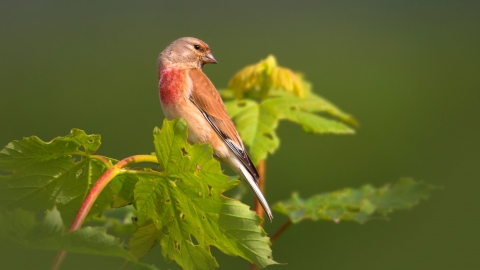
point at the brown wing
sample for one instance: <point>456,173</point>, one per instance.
<point>208,101</point>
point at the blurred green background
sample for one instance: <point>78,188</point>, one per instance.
<point>409,71</point>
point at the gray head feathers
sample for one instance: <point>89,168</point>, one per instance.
<point>186,52</point>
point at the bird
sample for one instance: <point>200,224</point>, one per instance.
<point>186,92</point>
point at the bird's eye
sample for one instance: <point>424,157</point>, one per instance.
<point>197,47</point>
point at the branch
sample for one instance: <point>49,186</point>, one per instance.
<point>93,194</point>
<point>258,206</point>
<point>281,230</point>
<point>261,185</point>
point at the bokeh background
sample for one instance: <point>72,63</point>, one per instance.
<point>409,71</point>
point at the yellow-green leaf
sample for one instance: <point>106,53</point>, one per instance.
<point>257,121</point>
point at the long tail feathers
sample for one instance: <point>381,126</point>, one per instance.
<point>253,185</point>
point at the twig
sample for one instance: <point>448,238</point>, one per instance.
<point>253,267</point>
<point>258,206</point>
<point>261,185</point>
<point>281,230</point>
<point>93,194</point>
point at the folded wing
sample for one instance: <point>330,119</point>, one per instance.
<point>208,101</point>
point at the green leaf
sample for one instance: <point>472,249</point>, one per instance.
<point>118,193</point>
<point>182,208</point>
<point>257,121</point>
<point>20,154</point>
<point>239,191</point>
<point>289,107</point>
<point>358,205</point>
<point>38,175</point>
<point>118,221</point>
<point>20,228</point>
<point>257,126</point>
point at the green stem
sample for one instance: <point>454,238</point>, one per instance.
<point>138,172</point>
<point>102,159</point>
<point>95,191</point>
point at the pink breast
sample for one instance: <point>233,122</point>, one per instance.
<point>171,85</point>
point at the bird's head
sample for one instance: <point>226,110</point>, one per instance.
<point>186,52</point>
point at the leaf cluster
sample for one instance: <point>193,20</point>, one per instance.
<point>183,208</point>
<point>358,205</point>
<point>261,95</point>
<point>179,207</point>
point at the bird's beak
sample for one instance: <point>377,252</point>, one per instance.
<point>208,58</point>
